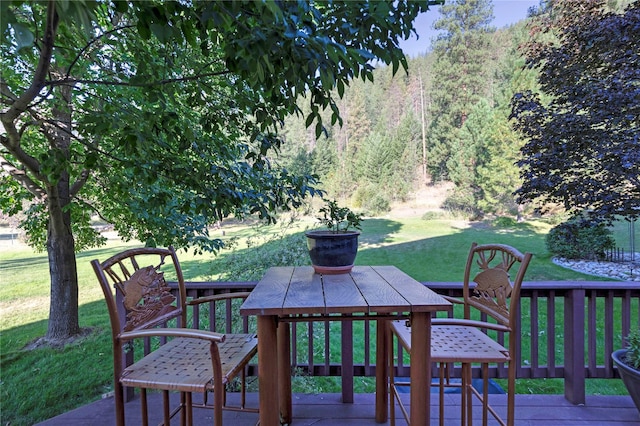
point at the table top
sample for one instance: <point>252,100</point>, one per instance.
<point>365,290</point>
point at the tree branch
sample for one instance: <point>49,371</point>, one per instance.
<point>22,177</point>
<point>91,42</point>
<point>5,92</point>
<point>79,183</point>
<point>40,75</point>
<point>73,81</point>
<point>28,161</point>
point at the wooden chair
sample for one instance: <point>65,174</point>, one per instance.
<point>490,302</point>
<point>141,308</point>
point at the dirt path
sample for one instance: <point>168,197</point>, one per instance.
<point>427,199</point>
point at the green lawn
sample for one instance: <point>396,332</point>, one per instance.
<point>40,383</point>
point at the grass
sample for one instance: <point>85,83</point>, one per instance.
<point>40,383</point>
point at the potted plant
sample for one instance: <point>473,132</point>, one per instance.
<point>333,250</point>
<point>628,362</point>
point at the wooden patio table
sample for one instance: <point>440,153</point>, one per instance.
<point>381,293</point>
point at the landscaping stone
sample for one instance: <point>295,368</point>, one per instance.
<point>627,270</point>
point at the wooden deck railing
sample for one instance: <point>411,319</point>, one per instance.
<point>568,330</point>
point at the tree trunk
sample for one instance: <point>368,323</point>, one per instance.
<point>63,310</point>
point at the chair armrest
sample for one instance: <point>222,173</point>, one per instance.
<point>453,299</point>
<point>173,332</point>
<point>218,297</point>
<point>469,323</point>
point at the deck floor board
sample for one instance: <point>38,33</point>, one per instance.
<point>327,409</point>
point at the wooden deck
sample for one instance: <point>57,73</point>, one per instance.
<point>327,409</point>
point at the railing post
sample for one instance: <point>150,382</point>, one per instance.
<point>347,361</point>
<point>574,326</point>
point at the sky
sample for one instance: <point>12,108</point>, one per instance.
<point>505,12</point>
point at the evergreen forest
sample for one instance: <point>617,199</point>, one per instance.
<point>446,120</point>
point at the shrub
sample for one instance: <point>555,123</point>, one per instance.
<point>447,214</point>
<point>463,203</point>
<point>580,239</point>
<point>460,200</point>
<point>379,203</point>
<point>504,222</point>
<point>433,215</point>
<point>372,200</point>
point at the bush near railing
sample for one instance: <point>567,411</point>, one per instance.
<point>580,239</point>
<point>568,330</point>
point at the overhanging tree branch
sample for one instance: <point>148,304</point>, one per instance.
<point>91,42</point>
<point>25,159</point>
<point>22,177</point>
<point>39,77</point>
<point>74,81</point>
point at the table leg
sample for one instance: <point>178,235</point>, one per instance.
<point>347,361</point>
<point>420,368</point>
<point>382,352</point>
<point>284,372</point>
<point>267,370</point>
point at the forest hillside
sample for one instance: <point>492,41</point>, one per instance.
<point>445,121</point>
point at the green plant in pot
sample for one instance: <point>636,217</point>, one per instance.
<point>628,362</point>
<point>333,250</point>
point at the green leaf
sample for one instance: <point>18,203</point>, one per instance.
<point>340,86</point>
<point>8,17</point>
<point>143,30</point>
<point>162,32</point>
<point>24,37</point>
<point>327,80</point>
<point>309,119</point>
<point>121,6</point>
<point>189,34</point>
<point>260,71</point>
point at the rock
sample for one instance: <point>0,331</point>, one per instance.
<point>628,270</point>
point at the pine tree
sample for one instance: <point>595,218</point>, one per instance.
<point>461,54</point>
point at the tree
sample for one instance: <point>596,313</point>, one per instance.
<point>583,150</point>
<point>461,54</point>
<point>497,174</point>
<point>159,116</point>
<point>356,126</point>
<point>465,157</point>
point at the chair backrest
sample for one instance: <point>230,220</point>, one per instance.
<point>492,281</point>
<point>136,291</point>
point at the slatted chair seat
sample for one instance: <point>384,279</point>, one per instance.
<point>169,368</point>
<point>142,306</point>
<point>451,343</point>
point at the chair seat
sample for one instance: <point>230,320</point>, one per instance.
<point>465,344</point>
<point>456,343</point>
<point>168,368</point>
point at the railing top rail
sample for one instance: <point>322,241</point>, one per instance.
<point>554,285</point>
<point>220,284</point>
<point>435,285</point>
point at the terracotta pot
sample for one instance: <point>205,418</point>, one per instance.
<point>630,376</point>
<point>332,253</point>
